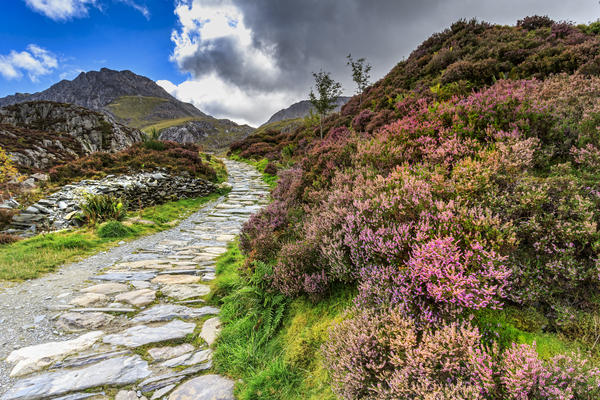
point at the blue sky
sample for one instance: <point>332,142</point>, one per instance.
<point>116,36</point>
<point>236,59</point>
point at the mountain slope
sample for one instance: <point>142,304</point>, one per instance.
<point>301,109</point>
<point>130,99</point>
<point>42,134</point>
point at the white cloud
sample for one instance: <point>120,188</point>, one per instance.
<point>231,77</point>
<point>224,100</point>
<point>139,7</point>
<point>61,10</point>
<point>35,61</point>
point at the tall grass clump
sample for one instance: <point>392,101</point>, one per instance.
<point>101,207</point>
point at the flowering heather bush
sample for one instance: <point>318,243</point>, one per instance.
<point>384,356</point>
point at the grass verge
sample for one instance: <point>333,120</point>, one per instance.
<point>271,342</point>
<point>33,257</point>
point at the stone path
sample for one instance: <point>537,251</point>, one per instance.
<point>130,323</point>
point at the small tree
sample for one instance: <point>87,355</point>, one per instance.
<point>360,75</point>
<point>328,91</point>
<point>8,170</point>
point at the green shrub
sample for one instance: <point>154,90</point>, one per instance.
<point>113,230</point>
<point>152,144</point>
<point>100,207</point>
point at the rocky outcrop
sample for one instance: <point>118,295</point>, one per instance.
<point>206,132</point>
<point>59,210</point>
<point>301,109</point>
<point>42,133</point>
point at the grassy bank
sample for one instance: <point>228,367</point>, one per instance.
<point>32,257</point>
<point>270,342</point>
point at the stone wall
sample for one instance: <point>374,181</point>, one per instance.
<point>58,211</point>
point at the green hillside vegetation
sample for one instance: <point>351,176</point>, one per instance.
<point>136,111</point>
<point>160,125</point>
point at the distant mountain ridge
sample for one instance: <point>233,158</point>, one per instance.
<point>138,102</point>
<point>301,109</point>
<point>96,90</point>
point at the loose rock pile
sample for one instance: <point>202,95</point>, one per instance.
<point>58,211</point>
<point>149,330</point>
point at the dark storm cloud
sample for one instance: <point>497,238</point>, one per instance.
<point>308,35</point>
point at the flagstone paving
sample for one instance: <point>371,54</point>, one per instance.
<point>126,323</point>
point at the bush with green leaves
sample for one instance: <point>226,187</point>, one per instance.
<point>101,207</point>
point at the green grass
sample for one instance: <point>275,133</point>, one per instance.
<point>135,109</point>
<point>270,342</point>
<point>517,325</point>
<point>260,165</point>
<point>160,125</point>
<point>41,254</point>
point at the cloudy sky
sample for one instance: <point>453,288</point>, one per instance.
<point>237,59</point>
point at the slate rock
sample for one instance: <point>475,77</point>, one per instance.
<point>119,371</point>
<point>184,292</point>
<point>137,298</point>
<point>206,387</point>
<point>210,330</point>
<point>175,279</point>
<point>167,312</point>
<point>34,358</point>
<point>91,300</point>
<point>107,288</point>
<point>140,335</point>
<point>168,352</point>
<point>75,321</point>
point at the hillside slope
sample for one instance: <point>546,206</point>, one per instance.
<point>301,109</point>
<point>453,217</point>
<point>131,99</point>
<point>41,134</point>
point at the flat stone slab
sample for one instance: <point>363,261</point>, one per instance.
<point>176,279</point>
<point>118,371</point>
<point>128,395</point>
<point>184,292</point>
<point>206,387</point>
<point>167,312</point>
<point>210,330</point>
<point>82,360</point>
<point>81,396</point>
<point>34,358</point>
<point>116,309</point>
<point>189,359</point>
<point>137,298</point>
<point>168,352</point>
<point>106,288</point>
<point>160,381</point>
<point>91,300</point>
<point>75,321</point>
<point>125,276</point>
<point>140,335</point>
<point>142,264</point>
<point>161,392</point>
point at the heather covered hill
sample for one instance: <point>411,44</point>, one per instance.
<point>441,241</point>
<point>463,58</point>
